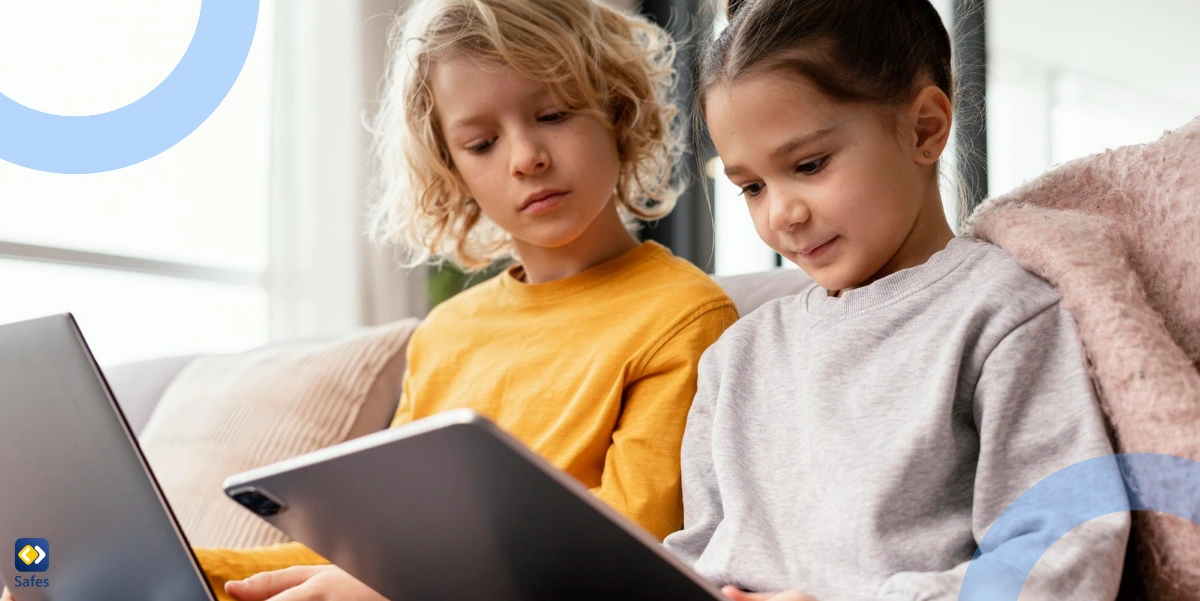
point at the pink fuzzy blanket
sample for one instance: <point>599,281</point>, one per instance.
<point>1118,233</point>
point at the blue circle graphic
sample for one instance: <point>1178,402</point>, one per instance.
<point>152,123</point>
<point>1069,498</point>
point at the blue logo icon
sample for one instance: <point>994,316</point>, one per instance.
<point>32,555</point>
<point>149,125</point>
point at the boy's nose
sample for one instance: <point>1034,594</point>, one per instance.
<point>529,157</point>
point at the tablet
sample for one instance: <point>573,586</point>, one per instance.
<point>451,507</point>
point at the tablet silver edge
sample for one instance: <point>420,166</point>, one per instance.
<point>468,416</point>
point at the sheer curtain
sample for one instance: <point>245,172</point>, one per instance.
<point>325,277</point>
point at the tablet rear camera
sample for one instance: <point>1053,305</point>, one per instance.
<point>257,502</point>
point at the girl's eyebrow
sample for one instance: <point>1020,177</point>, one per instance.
<point>788,147</point>
<point>800,142</point>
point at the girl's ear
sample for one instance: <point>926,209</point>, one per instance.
<point>931,115</point>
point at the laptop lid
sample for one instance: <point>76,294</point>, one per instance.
<point>79,507</point>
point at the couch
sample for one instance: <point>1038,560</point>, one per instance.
<point>139,386</point>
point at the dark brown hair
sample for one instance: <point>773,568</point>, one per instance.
<point>874,51</point>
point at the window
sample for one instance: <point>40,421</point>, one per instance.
<point>1081,76</point>
<point>166,256</point>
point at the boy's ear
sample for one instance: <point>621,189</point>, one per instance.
<point>932,115</point>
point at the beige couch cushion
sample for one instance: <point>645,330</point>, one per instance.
<point>225,414</point>
<point>753,290</point>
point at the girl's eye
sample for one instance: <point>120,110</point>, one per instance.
<point>481,147</point>
<point>751,190</point>
<point>553,117</point>
<point>812,167</point>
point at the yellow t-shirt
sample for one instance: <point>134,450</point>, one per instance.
<point>595,372</point>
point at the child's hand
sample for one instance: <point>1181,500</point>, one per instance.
<point>5,596</point>
<point>738,595</point>
<point>301,583</point>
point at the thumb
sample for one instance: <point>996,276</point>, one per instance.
<point>265,585</point>
<point>6,596</point>
<point>736,594</point>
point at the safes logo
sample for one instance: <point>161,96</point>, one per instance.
<point>31,555</point>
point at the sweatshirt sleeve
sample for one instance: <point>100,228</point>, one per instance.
<point>702,510</point>
<point>1036,413</point>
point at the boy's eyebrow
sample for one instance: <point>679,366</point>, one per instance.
<point>464,122</point>
<point>531,97</point>
<point>788,147</point>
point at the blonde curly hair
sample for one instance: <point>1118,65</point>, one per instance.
<point>592,58</point>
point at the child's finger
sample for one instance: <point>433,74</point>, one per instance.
<point>5,596</point>
<point>793,596</point>
<point>305,591</point>
<point>737,594</point>
<point>266,585</point>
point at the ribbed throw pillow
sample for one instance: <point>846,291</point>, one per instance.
<point>225,414</point>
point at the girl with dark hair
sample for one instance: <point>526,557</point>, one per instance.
<point>857,441</point>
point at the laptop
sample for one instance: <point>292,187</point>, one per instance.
<point>445,508</point>
<point>79,506</point>
<point>451,507</point>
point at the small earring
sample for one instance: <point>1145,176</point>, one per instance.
<point>928,154</point>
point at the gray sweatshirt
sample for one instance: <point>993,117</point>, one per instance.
<point>859,447</point>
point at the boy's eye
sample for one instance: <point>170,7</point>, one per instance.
<point>751,190</point>
<point>481,147</point>
<point>553,117</point>
<point>812,167</point>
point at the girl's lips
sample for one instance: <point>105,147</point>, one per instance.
<point>544,204</point>
<point>817,252</point>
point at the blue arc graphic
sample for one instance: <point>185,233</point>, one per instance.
<point>149,125</point>
<point>1069,498</point>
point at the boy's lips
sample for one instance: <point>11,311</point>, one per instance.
<point>542,200</point>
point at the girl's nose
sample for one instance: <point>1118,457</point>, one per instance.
<point>787,212</point>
